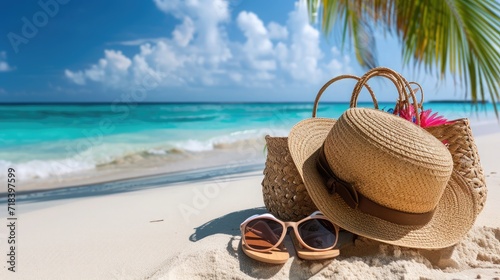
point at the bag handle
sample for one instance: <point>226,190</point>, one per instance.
<point>421,104</point>
<point>333,80</point>
<point>405,91</point>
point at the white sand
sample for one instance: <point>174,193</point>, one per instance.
<point>190,231</point>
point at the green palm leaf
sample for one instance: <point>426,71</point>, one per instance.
<point>459,36</point>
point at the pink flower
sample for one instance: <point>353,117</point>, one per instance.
<point>408,114</point>
<point>426,119</point>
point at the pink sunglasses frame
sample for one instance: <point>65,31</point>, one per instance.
<point>316,215</point>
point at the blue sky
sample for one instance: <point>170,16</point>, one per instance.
<point>177,51</point>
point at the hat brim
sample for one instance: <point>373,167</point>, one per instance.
<point>453,217</point>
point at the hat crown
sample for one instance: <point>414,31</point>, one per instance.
<point>389,160</point>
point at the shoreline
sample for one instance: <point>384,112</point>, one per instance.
<point>240,157</point>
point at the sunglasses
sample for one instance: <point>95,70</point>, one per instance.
<point>263,233</point>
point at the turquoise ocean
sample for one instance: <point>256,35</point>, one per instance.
<point>43,141</point>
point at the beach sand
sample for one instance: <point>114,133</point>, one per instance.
<point>190,230</point>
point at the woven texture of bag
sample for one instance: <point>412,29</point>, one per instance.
<point>285,195</point>
<point>458,136</point>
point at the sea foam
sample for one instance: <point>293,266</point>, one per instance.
<point>130,153</point>
<point>36,169</point>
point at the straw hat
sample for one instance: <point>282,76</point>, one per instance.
<point>382,177</point>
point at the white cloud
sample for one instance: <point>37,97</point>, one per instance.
<point>254,30</point>
<point>199,51</point>
<point>206,17</point>
<point>335,51</point>
<point>138,42</point>
<point>112,70</point>
<point>183,34</point>
<point>4,66</point>
<point>339,64</point>
<point>276,31</point>
<point>304,51</point>
<point>258,48</point>
<point>77,77</point>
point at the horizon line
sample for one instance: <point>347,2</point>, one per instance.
<point>227,102</point>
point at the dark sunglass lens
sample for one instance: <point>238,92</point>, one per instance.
<point>318,233</point>
<point>262,233</point>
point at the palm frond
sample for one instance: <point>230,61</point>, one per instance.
<point>353,26</point>
<point>461,37</point>
<point>312,7</point>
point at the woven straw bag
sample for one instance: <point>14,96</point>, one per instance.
<point>284,193</point>
<point>456,134</point>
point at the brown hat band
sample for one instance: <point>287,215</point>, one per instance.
<point>356,200</point>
